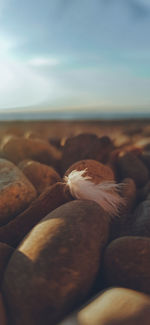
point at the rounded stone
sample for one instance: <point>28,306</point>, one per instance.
<point>5,254</point>
<point>94,169</point>
<point>15,230</point>
<point>56,142</point>
<point>127,263</point>
<point>40,175</point>
<point>122,224</point>
<point>146,158</point>
<point>3,317</point>
<point>86,146</point>
<point>116,306</point>
<point>141,225</point>
<point>144,191</point>
<point>16,191</point>
<point>17,149</point>
<point>129,193</point>
<point>122,140</point>
<point>32,135</point>
<point>130,166</point>
<point>55,266</point>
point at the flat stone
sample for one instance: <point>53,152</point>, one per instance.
<point>40,175</point>
<point>127,263</point>
<point>16,191</point>
<point>54,268</point>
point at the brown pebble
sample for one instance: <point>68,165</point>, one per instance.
<point>40,175</point>
<point>56,142</point>
<point>129,165</point>
<point>121,140</point>
<point>145,156</point>
<point>96,170</point>
<point>116,306</point>
<point>5,254</point>
<point>18,149</point>
<point>127,263</point>
<point>16,191</point>
<point>3,317</point>
<point>141,224</point>
<point>144,191</point>
<point>54,268</point>
<point>146,130</point>
<point>143,142</point>
<point>54,196</point>
<point>32,135</point>
<point>128,192</point>
<point>147,146</point>
<point>86,146</point>
<point>123,222</point>
<point>133,129</point>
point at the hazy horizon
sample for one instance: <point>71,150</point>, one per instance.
<point>62,54</point>
<point>72,113</point>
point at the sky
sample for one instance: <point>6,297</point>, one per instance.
<point>75,54</point>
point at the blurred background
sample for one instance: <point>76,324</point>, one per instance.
<point>71,58</point>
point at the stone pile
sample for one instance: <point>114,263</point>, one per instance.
<point>56,250</point>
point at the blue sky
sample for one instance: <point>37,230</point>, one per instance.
<point>82,53</point>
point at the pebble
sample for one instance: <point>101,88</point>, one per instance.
<point>144,191</point>
<point>16,191</point>
<point>54,196</point>
<point>127,263</point>
<point>86,146</point>
<point>40,175</point>
<point>121,140</point>
<point>129,193</point>
<point>144,143</point>
<point>5,254</point>
<point>3,317</point>
<point>54,268</point>
<point>96,170</point>
<point>145,156</point>
<point>56,142</point>
<point>123,222</point>
<point>62,258</point>
<point>17,149</point>
<point>116,306</point>
<point>129,165</point>
<point>146,130</point>
<point>141,225</point>
<point>32,135</point>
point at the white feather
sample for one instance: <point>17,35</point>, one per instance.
<point>106,194</point>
